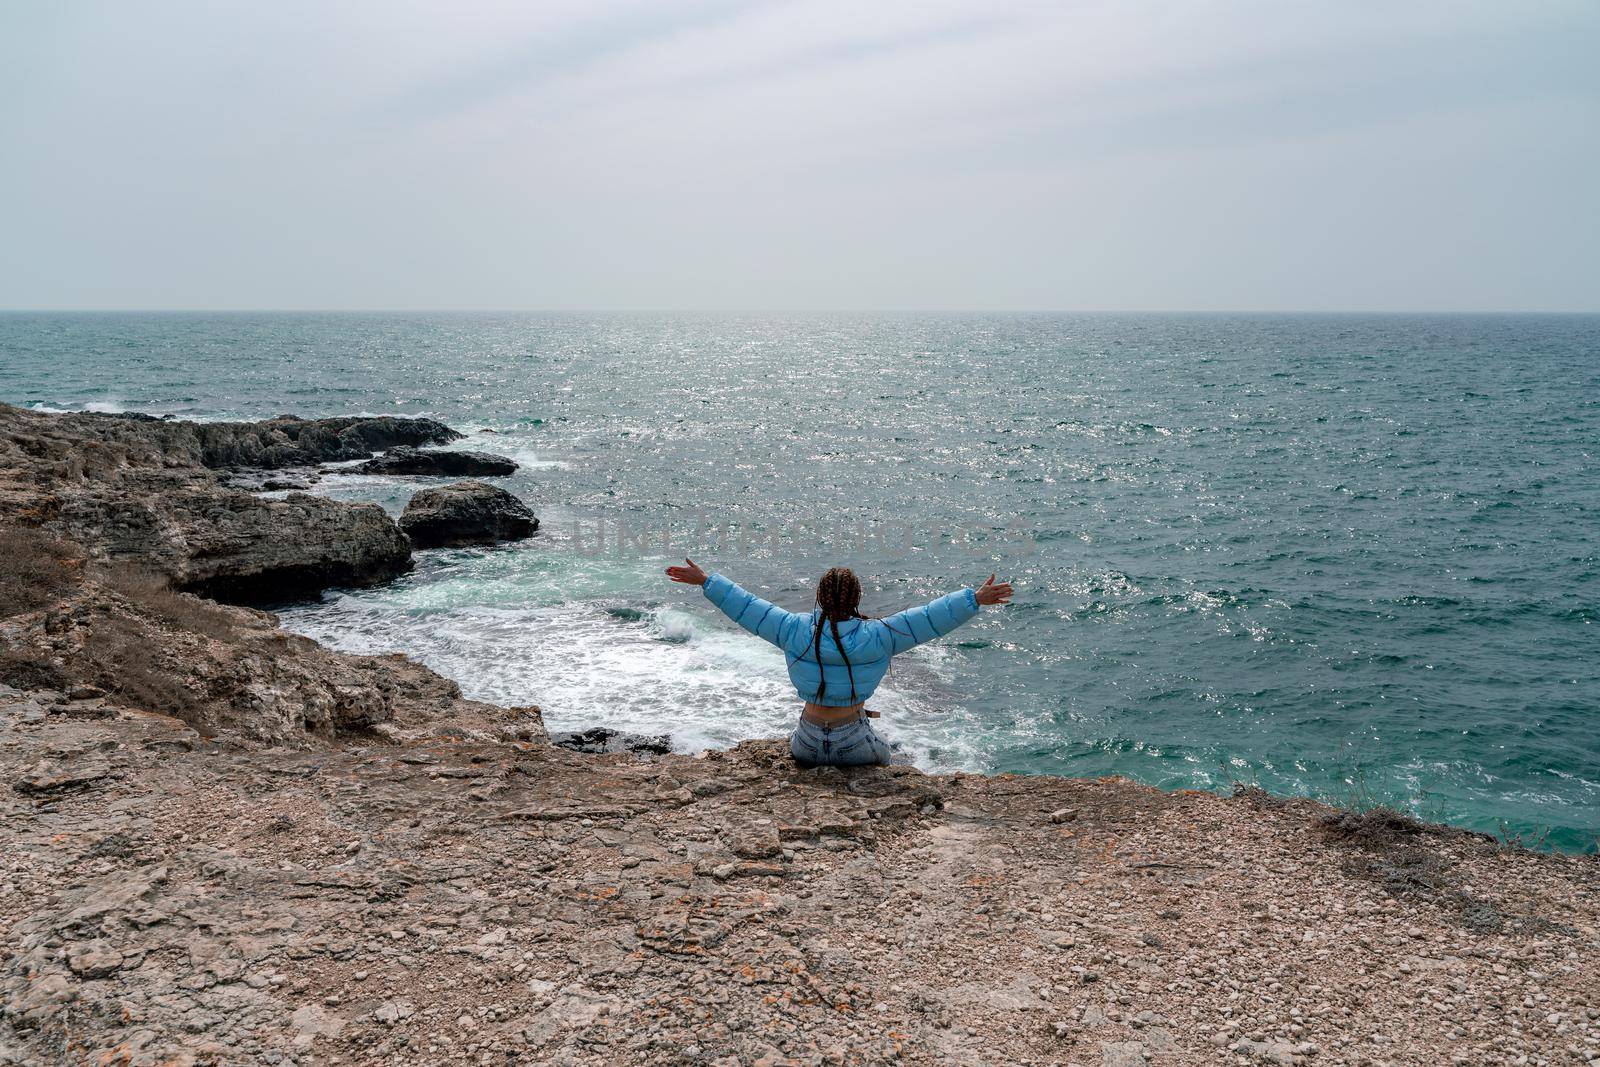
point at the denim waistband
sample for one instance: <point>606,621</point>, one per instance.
<point>850,744</point>
<point>849,724</point>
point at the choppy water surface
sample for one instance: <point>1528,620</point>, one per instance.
<point>1338,555</point>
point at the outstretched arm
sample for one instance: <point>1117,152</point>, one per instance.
<point>766,620</point>
<point>915,625</point>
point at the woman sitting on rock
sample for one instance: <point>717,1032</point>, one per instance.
<point>837,656</point>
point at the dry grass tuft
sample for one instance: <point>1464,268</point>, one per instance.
<point>1374,828</point>
<point>153,595</point>
<point>36,569</point>
<point>1403,855</point>
<point>119,660</point>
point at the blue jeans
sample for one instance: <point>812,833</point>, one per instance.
<point>850,744</point>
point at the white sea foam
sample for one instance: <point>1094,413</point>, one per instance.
<point>669,670</point>
<point>531,460</point>
<point>102,407</point>
<point>582,665</point>
<point>516,447</point>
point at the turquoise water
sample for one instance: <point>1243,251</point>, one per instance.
<point>1347,556</point>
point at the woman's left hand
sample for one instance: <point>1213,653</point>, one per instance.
<point>690,575</point>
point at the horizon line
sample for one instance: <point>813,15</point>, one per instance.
<point>780,311</point>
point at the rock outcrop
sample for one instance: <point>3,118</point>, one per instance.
<point>106,521</point>
<point>598,740</point>
<point>144,490</point>
<point>122,634</point>
<point>439,462</point>
<point>237,547</point>
<point>466,513</point>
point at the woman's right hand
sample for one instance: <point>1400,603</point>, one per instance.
<point>992,592</point>
<point>692,574</point>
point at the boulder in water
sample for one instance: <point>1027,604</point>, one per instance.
<point>466,513</point>
<point>407,460</point>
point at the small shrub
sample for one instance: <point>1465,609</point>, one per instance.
<point>36,569</point>
<point>22,671</point>
<point>120,660</point>
<point>1373,828</point>
<point>1258,798</point>
<point>1536,839</point>
<point>117,845</point>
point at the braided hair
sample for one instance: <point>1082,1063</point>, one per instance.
<point>839,597</point>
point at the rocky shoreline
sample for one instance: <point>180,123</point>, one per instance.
<point>227,844</point>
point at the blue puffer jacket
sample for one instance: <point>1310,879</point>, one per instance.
<point>867,642</point>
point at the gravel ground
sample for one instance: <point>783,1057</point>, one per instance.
<point>166,899</point>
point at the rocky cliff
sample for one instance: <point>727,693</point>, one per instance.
<point>165,899</point>
<point>229,672</point>
<point>108,523</point>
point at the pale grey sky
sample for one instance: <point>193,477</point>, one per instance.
<point>723,154</point>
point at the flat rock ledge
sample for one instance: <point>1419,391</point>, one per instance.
<point>172,900</point>
<point>466,513</point>
<point>271,444</point>
<point>439,462</point>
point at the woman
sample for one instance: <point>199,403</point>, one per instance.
<point>837,656</point>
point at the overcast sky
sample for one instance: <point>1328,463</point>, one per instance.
<point>693,154</point>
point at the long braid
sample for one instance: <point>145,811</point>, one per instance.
<point>822,677</point>
<point>838,597</point>
<point>848,669</point>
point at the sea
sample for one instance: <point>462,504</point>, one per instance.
<point>1352,557</point>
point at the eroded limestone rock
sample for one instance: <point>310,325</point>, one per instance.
<point>466,513</point>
